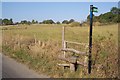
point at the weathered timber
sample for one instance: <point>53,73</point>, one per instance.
<point>73,50</point>
<point>72,67</point>
<point>35,40</point>
<point>80,63</point>
<point>84,44</point>
<point>65,65</point>
<point>63,40</point>
<point>73,62</point>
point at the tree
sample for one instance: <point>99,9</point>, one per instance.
<point>51,21</point>
<point>24,22</point>
<point>65,22</point>
<point>40,22</point>
<point>36,22</point>
<point>0,21</point>
<point>16,23</point>
<point>74,24</point>
<point>71,20</point>
<point>33,21</point>
<point>57,22</point>
<point>48,22</point>
<point>88,17</point>
<point>115,10</point>
<point>11,21</point>
<point>28,22</point>
<point>7,22</point>
<point>109,17</point>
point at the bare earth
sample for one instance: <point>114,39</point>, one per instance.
<point>13,69</point>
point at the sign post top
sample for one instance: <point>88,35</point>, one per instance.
<point>93,9</point>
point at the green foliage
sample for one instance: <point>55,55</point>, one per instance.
<point>6,48</point>
<point>68,22</point>
<point>109,17</point>
<point>0,21</point>
<point>71,20</point>
<point>115,10</point>
<point>88,17</point>
<point>74,24</point>
<point>65,22</point>
<point>34,22</point>
<point>25,22</point>
<point>28,22</point>
<point>57,22</point>
<point>7,22</point>
<point>45,61</point>
<point>48,21</point>
<point>95,18</point>
<point>22,55</point>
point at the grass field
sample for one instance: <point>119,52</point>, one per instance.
<point>38,46</point>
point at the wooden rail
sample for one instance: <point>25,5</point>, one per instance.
<point>71,61</point>
<point>73,50</point>
<point>77,43</point>
<point>64,65</point>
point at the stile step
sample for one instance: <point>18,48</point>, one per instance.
<point>73,50</point>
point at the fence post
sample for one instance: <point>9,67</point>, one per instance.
<point>35,39</point>
<point>63,39</point>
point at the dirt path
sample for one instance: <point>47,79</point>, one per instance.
<point>13,69</point>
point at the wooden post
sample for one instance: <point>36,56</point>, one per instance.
<point>72,67</point>
<point>63,40</point>
<point>18,40</point>
<point>39,43</point>
<point>35,38</point>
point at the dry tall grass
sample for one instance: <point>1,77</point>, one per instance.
<point>39,47</point>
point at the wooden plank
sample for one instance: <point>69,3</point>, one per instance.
<point>64,65</point>
<point>73,50</point>
<point>68,60</point>
<point>72,67</point>
<point>77,43</point>
<point>80,63</point>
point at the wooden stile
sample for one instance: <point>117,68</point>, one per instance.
<point>73,50</point>
<point>72,60</point>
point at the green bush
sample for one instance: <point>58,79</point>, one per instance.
<point>73,24</point>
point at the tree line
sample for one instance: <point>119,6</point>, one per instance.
<point>109,17</point>
<point>50,21</point>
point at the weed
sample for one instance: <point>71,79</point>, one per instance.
<point>39,47</point>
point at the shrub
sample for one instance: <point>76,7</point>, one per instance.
<point>73,24</point>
